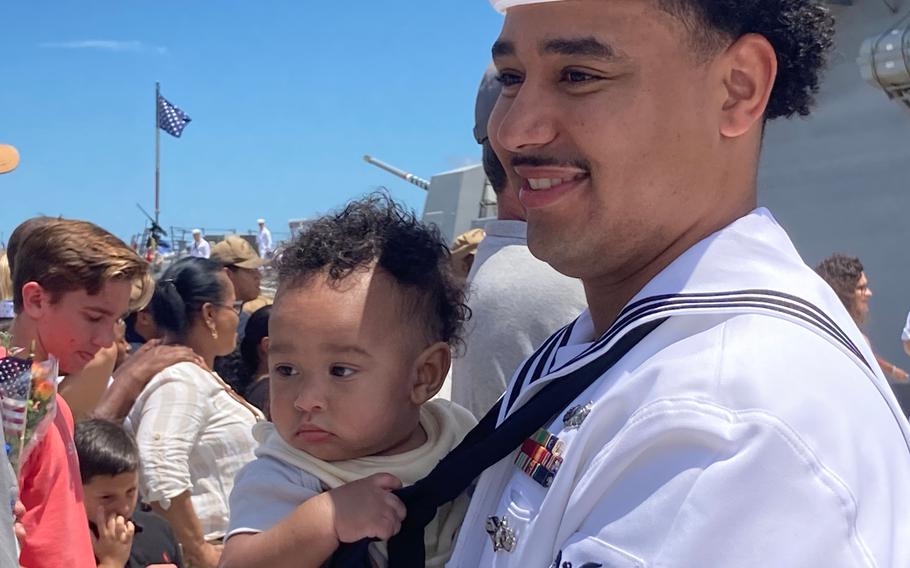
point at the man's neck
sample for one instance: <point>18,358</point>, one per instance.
<point>608,295</point>
<point>24,333</point>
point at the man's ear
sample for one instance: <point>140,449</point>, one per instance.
<point>264,348</point>
<point>748,68</point>
<point>431,368</point>
<point>35,300</point>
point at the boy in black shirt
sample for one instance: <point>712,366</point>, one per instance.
<point>125,533</point>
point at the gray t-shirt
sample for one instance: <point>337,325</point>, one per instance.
<point>265,491</point>
<point>517,302</point>
<point>9,547</point>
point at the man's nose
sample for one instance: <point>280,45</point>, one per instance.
<point>523,121</point>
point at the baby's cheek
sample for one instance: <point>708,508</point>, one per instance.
<point>283,420</point>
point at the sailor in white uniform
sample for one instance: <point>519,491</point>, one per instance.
<point>746,424</point>
<point>751,428</point>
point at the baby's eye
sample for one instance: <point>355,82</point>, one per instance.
<point>341,371</point>
<point>285,371</point>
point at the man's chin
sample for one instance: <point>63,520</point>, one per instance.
<point>72,365</point>
<point>67,370</point>
<point>547,247</point>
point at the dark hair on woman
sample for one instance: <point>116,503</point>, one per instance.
<point>842,273</point>
<point>257,327</point>
<point>801,32</point>
<point>183,289</point>
<point>377,230</point>
<point>104,448</point>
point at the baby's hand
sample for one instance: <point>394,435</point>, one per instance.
<point>366,508</point>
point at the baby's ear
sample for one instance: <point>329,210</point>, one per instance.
<point>431,367</point>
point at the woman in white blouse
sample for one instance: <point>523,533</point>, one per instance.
<point>194,432</point>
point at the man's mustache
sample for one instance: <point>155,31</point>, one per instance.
<point>548,161</point>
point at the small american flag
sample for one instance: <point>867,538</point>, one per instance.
<point>170,118</point>
<point>13,412</point>
<point>14,390</point>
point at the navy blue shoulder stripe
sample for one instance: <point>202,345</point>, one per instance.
<point>520,380</point>
<point>566,336</point>
<point>760,300</point>
<point>780,296</point>
<point>797,309</point>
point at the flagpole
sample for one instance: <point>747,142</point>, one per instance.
<point>157,151</point>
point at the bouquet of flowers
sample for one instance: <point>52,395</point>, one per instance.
<point>28,400</point>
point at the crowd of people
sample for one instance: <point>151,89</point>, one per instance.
<point>202,248</point>
<point>630,366</point>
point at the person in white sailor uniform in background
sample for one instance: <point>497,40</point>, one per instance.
<point>736,417</point>
<point>200,248</point>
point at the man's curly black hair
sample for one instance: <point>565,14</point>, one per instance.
<point>377,231</point>
<point>801,32</point>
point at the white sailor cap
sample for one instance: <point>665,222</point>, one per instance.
<point>260,221</point>
<point>503,5</point>
<point>197,232</point>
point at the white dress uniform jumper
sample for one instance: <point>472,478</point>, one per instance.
<point>748,427</point>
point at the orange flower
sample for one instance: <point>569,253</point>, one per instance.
<point>39,372</point>
<point>44,390</point>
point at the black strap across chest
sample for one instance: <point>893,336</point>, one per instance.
<point>487,444</point>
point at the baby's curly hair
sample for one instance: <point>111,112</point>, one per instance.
<point>801,32</point>
<point>377,231</point>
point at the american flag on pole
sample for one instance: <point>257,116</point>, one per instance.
<point>170,118</point>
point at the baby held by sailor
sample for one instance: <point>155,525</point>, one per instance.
<point>360,340</point>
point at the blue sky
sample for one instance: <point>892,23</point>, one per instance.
<point>285,97</point>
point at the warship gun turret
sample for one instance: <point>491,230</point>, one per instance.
<point>457,200</point>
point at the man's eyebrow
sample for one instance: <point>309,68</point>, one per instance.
<point>584,47</point>
<point>502,48</point>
